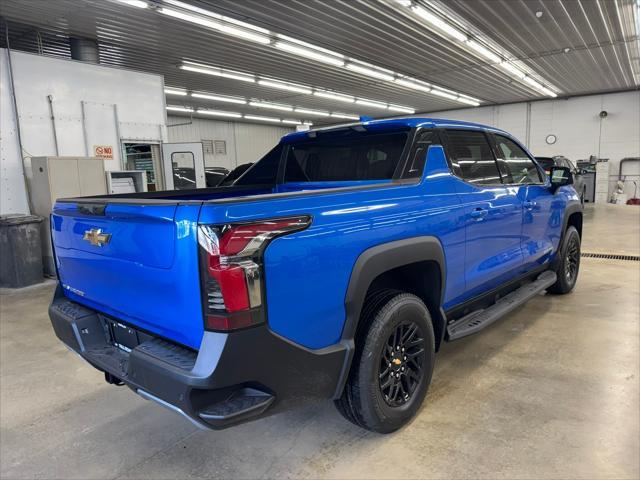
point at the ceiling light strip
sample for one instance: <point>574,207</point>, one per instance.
<point>266,105</point>
<point>304,89</point>
<point>246,116</point>
<point>247,31</point>
<point>478,47</point>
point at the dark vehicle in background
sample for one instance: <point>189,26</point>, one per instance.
<point>235,174</point>
<point>559,161</point>
<point>215,175</point>
<point>185,178</point>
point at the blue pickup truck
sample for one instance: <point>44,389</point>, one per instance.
<point>335,267</point>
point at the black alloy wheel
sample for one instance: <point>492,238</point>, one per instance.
<point>401,364</point>
<point>572,260</point>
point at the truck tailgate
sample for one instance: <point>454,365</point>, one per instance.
<point>137,263</point>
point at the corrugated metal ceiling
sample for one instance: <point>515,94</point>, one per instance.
<point>579,46</point>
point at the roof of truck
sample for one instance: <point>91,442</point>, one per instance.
<point>410,122</point>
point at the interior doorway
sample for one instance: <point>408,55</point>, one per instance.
<point>145,156</point>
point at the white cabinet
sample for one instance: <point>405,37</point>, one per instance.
<point>602,181</point>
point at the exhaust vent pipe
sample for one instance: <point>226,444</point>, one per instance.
<point>84,49</point>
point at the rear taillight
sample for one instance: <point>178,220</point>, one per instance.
<point>231,270</point>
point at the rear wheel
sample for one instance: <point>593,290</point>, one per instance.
<point>568,263</point>
<point>393,363</point>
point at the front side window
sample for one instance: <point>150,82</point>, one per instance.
<point>515,164</point>
<point>345,156</point>
<point>474,159</point>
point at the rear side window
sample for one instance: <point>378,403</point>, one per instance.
<point>347,156</point>
<point>515,164</point>
<point>419,154</point>
<point>472,157</point>
<point>265,171</point>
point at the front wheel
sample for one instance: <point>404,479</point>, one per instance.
<point>568,262</point>
<point>393,363</point>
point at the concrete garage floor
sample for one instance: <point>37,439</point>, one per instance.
<point>551,391</point>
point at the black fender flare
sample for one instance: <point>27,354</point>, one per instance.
<point>372,263</point>
<point>572,207</point>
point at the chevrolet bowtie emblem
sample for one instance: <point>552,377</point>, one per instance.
<point>96,237</point>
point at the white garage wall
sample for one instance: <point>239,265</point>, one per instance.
<point>117,102</point>
<point>577,125</point>
<point>245,142</point>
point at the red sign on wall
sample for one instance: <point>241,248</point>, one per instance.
<point>103,151</point>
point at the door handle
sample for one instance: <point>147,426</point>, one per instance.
<point>479,213</point>
<point>529,205</point>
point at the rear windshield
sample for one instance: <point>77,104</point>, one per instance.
<point>345,156</point>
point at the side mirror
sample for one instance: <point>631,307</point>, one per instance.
<point>560,176</point>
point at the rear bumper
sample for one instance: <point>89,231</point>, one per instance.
<point>232,377</point>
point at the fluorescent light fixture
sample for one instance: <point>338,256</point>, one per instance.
<point>311,54</point>
<point>187,6</point>
<point>261,118</point>
<point>187,17</point>
<point>175,91</point>
<point>442,94</point>
<point>439,23</point>
<point>217,16</point>
<point>398,108</point>
<point>215,25</point>
<point>135,3</point>
<point>345,116</point>
<point>338,97</point>
<point>237,32</point>
<point>308,45</point>
<point>483,51</point>
<point>245,25</point>
<point>534,83</point>
<point>512,69</point>
<point>306,111</point>
<point>218,113</point>
<point>414,84</point>
<point>175,108</point>
<point>370,72</point>
<point>219,98</point>
<point>548,92</point>
<point>292,122</point>
<point>369,103</point>
<point>468,101</point>
<point>538,86</point>
<point>273,106</point>
<point>285,86</point>
<point>217,72</point>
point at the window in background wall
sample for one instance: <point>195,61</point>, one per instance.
<point>144,156</point>
<point>207,147</point>
<point>220,147</point>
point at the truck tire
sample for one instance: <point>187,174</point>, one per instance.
<point>568,263</point>
<point>392,365</point>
